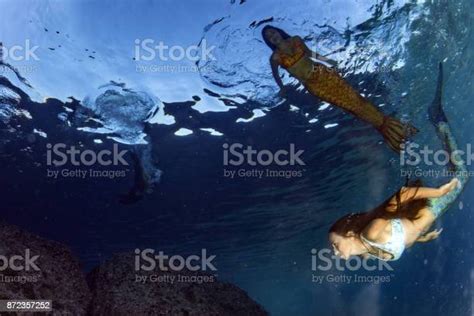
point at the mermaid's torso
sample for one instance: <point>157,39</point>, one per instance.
<point>298,64</point>
<point>395,246</point>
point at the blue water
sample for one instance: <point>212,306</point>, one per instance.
<point>261,230</point>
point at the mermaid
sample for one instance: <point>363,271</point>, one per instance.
<point>291,53</point>
<point>405,218</point>
<point>147,176</point>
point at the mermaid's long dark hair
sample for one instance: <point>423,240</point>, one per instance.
<point>269,27</point>
<point>355,223</point>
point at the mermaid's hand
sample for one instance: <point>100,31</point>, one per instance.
<point>451,185</point>
<point>432,235</point>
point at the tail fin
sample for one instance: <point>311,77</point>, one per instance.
<point>435,111</point>
<point>396,133</point>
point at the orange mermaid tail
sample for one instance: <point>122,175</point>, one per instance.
<point>329,86</point>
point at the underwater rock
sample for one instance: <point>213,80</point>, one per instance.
<point>41,270</point>
<point>116,291</point>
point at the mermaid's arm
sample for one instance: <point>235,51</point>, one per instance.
<point>432,235</point>
<point>274,64</point>
<point>417,193</point>
<point>332,62</point>
<point>315,55</point>
<point>407,194</point>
